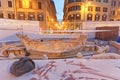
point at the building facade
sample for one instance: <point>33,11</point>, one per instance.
<point>77,11</point>
<point>37,10</point>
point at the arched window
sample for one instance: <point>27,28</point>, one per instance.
<point>89,17</point>
<point>71,17</point>
<point>97,17</point>
<point>104,17</point>
<point>78,17</point>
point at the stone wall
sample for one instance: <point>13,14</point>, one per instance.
<point>92,26</point>
<point>9,28</point>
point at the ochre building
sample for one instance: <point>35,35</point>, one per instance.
<point>77,11</point>
<point>35,10</point>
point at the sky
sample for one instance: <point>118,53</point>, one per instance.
<point>59,4</point>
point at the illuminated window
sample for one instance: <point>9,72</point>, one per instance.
<point>21,15</point>
<point>71,17</point>
<point>97,9</point>
<point>74,17</point>
<point>31,16</point>
<point>40,17</point>
<point>97,17</point>
<point>104,9</point>
<point>104,17</point>
<point>39,5</point>
<point>78,17</point>
<point>9,3</point>
<point>89,17</point>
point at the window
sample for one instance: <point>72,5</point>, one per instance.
<point>113,3</point>
<point>71,17</point>
<point>105,1</point>
<point>104,17</point>
<point>78,17</point>
<point>73,8</point>
<point>97,17</point>
<point>1,15</point>
<point>11,16</point>
<point>70,1</point>
<point>113,13</point>
<point>90,8</point>
<point>0,3</point>
<point>30,4</point>
<point>78,26</point>
<point>9,3</point>
<point>78,7</point>
<point>98,0</point>
<point>31,16</point>
<point>89,17</point>
<point>118,13</point>
<point>104,9</point>
<point>40,17</point>
<point>39,5</point>
<point>118,4</point>
<point>21,15</point>
<point>90,0</point>
<point>20,4</point>
<point>74,17</point>
<point>71,27</point>
<point>78,0</point>
<point>97,9</point>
